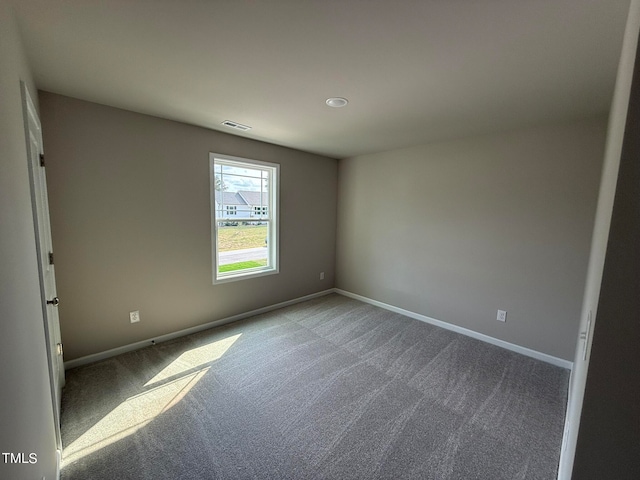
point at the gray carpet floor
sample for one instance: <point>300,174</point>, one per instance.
<point>331,388</point>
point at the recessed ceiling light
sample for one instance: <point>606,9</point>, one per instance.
<point>337,102</point>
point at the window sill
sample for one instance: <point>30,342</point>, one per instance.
<point>244,275</point>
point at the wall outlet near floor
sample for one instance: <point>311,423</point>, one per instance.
<point>321,275</point>
<point>502,316</point>
<point>134,316</point>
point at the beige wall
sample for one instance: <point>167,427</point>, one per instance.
<point>26,412</point>
<point>130,212</point>
<point>457,230</point>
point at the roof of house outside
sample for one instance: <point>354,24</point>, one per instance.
<point>229,198</point>
<point>242,197</point>
<point>254,198</point>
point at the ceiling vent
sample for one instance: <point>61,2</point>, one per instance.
<point>236,125</point>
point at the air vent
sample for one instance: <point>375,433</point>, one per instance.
<point>236,125</point>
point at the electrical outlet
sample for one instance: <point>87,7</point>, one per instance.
<point>134,316</point>
<point>321,275</point>
<point>502,316</point>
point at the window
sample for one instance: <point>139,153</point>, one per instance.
<point>258,211</point>
<point>244,203</point>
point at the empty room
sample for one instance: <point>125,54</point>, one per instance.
<point>353,239</point>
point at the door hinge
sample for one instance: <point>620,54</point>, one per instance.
<point>584,335</point>
<point>42,159</point>
<point>50,258</point>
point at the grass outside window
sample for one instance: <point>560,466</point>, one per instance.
<point>232,267</point>
<point>241,237</point>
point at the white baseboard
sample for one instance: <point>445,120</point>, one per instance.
<point>187,331</point>
<point>439,323</point>
<point>464,331</point>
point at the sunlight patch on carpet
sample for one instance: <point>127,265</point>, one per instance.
<point>159,394</point>
<point>131,415</point>
<point>195,358</point>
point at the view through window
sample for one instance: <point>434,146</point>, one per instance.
<point>244,203</point>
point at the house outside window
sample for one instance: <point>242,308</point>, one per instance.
<point>244,203</point>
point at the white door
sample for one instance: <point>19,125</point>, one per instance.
<point>44,249</point>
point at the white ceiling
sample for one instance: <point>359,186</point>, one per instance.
<point>414,71</point>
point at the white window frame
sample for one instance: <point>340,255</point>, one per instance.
<point>272,219</point>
